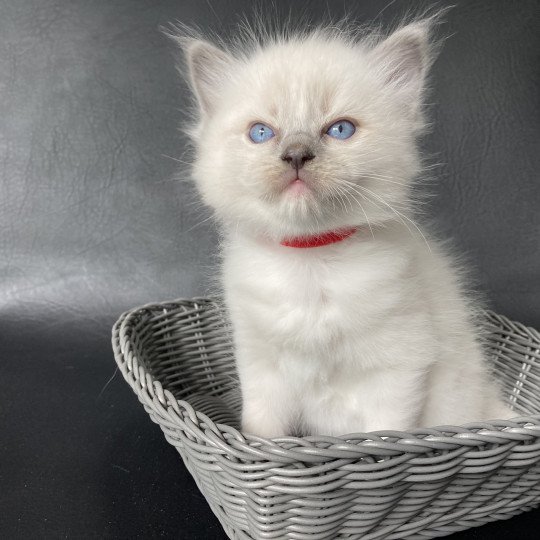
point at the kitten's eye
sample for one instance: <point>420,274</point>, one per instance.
<point>260,133</point>
<point>342,129</point>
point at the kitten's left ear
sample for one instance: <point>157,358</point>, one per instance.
<point>404,58</point>
<point>208,68</point>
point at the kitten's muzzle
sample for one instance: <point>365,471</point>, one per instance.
<point>297,154</point>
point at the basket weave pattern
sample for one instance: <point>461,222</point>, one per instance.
<point>178,359</point>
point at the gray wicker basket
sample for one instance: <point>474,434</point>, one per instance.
<point>178,359</point>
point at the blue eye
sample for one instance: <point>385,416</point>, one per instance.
<point>342,129</point>
<point>260,133</point>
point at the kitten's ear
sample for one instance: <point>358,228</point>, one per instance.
<point>404,58</point>
<point>208,68</point>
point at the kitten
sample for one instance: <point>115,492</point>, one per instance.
<point>344,319</point>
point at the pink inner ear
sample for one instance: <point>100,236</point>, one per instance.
<point>404,56</point>
<point>408,65</point>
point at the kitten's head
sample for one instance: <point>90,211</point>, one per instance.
<point>311,132</point>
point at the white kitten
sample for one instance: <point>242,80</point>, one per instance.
<point>303,140</point>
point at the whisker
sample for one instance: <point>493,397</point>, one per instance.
<point>177,160</point>
<point>344,198</point>
<point>355,188</point>
<point>364,212</point>
<point>400,215</point>
<point>334,194</point>
<point>383,178</point>
<point>200,223</point>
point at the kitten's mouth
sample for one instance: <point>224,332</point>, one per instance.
<point>297,184</point>
<point>297,188</point>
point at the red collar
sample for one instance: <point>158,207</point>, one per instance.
<point>322,239</point>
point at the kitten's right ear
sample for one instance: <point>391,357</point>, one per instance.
<point>208,68</point>
<point>404,58</point>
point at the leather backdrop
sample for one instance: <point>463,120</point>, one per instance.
<point>95,218</point>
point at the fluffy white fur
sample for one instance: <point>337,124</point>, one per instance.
<point>371,333</point>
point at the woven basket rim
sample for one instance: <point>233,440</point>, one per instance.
<point>236,445</point>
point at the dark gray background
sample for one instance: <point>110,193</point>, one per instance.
<point>94,220</point>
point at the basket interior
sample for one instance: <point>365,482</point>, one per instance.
<point>187,347</point>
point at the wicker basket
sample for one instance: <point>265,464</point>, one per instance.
<point>178,359</point>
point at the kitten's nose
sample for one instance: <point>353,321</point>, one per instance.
<point>297,154</point>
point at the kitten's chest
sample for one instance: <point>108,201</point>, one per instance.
<point>289,301</point>
<point>302,300</point>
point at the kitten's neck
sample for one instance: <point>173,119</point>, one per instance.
<point>318,240</point>
<point>390,232</point>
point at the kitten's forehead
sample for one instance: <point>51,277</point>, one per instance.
<point>297,79</point>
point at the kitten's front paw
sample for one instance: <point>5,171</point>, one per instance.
<point>501,411</point>
<point>263,428</point>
